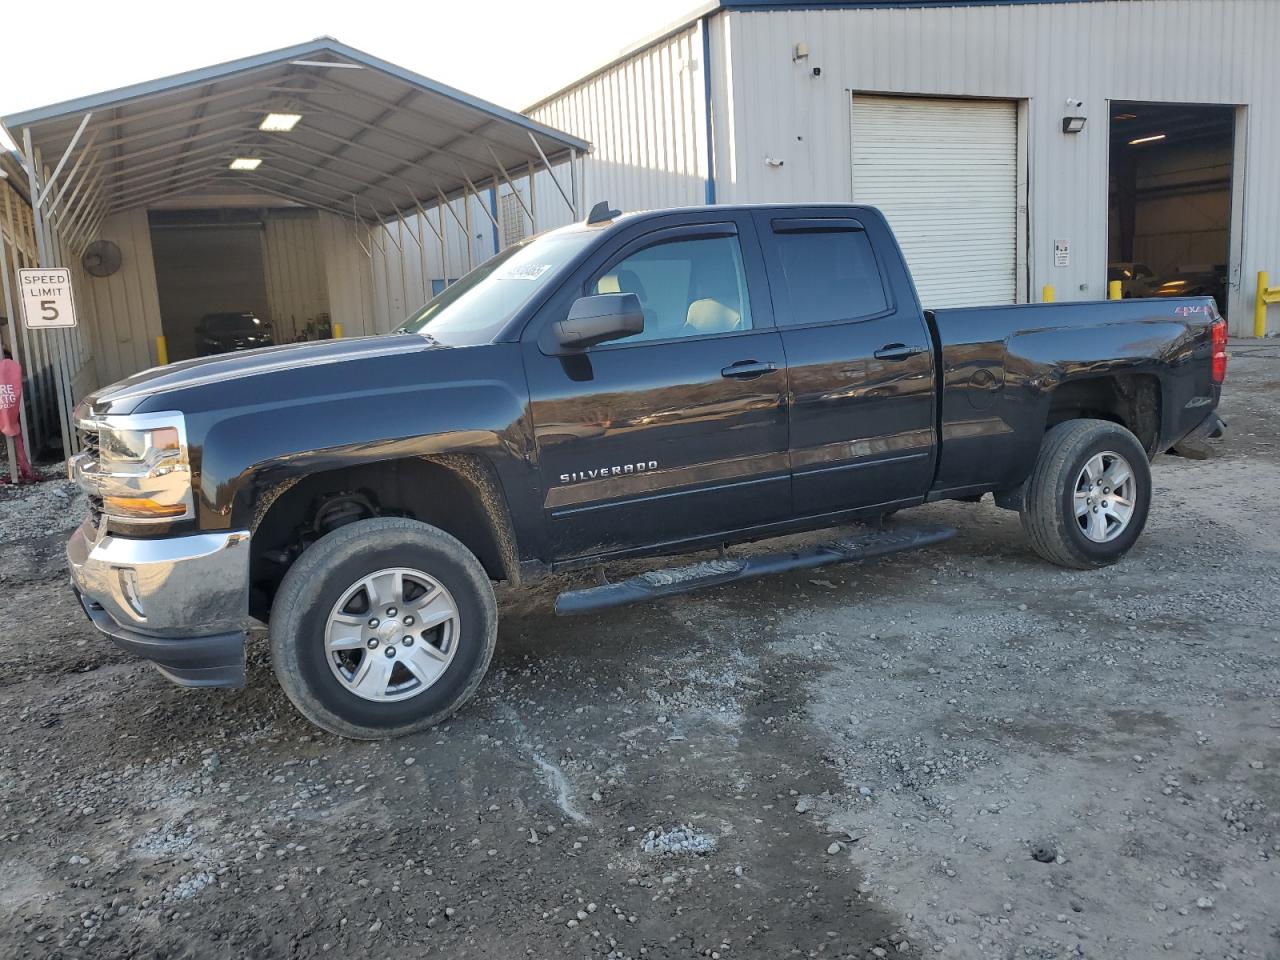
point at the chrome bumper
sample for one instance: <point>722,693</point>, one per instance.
<point>182,602</point>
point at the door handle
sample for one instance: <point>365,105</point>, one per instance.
<point>898,351</point>
<point>748,369</point>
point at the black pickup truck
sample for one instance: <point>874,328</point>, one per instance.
<point>657,383</point>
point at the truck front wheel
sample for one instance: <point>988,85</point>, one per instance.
<point>382,628</point>
<point>1086,501</point>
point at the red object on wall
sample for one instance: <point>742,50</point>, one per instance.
<point>10,397</point>
<point>10,414</point>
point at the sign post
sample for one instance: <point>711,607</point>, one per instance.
<point>46,297</point>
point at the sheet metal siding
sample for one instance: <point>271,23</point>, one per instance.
<point>644,119</point>
<point>293,263</point>
<point>1196,51</point>
<point>401,272</point>
<point>122,311</point>
<point>348,286</point>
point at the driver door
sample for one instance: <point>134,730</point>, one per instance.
<point>677,433</point>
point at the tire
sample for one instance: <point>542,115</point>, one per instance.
<point>1059,486</point>
<point>318,648</point>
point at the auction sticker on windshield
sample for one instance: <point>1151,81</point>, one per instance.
<point>523,271</point>
<point>46,297</point>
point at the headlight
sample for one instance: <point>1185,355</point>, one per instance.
<point>138,466</point>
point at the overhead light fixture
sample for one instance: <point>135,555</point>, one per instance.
<point>1073,122</point>
<point>1151,139</point>
<point>1125,116</point>
<point>246,163</point>
<point>279,122</point>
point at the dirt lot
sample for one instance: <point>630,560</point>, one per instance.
<point>854,762</point>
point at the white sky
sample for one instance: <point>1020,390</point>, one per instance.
<point>508,51</point>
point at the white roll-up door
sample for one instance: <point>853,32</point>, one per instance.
<point>945,174</point>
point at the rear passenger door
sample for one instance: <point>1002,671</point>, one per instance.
<point>859,357</point>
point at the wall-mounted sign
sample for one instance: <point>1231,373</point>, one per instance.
<point>46,297</point>
<point>1062,253</point>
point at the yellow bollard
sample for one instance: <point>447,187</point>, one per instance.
<point>1046,293</point>
<point>337,331</point>
<point>1113,290</point>
<point>162,352</point>
<point>1264,296</point>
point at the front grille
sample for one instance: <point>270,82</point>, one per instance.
<point>89,439</point>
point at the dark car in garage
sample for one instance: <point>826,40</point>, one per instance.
<point>225,332</point>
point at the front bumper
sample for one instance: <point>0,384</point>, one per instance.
<point>180,602</point>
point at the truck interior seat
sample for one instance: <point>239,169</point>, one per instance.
<point>712,316</point>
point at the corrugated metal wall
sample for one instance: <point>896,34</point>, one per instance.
<point>349,289</point>
<point>293,262</point>
<point>1194,51</point>
<point>123,310</point>
<point>645,121</point>
<point>406,264</point>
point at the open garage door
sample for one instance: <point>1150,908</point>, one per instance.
<point>945,174</point>
<point>1170,199</point>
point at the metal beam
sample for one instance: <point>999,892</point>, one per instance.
<point>551,173</point>
<point>507,177</point>
<point>146,151</point>
<point>66,155</point>
<point>135,170</point>
<point>462,133</point>
<point>194,173</point>
<point>87,152</point>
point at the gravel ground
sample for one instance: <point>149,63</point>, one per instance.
<point>962,752</point>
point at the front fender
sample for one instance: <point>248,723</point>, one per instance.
<point>242,452</point>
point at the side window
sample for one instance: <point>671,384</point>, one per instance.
<point>831,275</point>
<point>687,288</point>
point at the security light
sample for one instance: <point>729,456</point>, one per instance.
<point>246,163</point>
<point>1151,139</point>
<point>1072,124</point>
<point>279,122</point>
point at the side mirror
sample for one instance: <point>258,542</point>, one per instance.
<point>599,319</point>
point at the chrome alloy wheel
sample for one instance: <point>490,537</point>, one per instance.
<point>1104,496</point>
<point>392,634</point>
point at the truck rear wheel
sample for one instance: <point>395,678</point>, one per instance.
<point>382,628</point>
<point>1086,501</point>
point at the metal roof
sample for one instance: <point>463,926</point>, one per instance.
<point>374,139</point>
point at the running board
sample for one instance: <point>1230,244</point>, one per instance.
<point>670,581</point>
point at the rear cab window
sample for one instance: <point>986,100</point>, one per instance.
<point>829,271</point>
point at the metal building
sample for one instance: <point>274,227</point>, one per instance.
<point>314,189</point>
<point>1013,144</point>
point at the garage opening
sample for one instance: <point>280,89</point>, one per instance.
<point>236,279</point>
<point>1170,199</point>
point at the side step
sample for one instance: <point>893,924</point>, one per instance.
<point>711,573</point>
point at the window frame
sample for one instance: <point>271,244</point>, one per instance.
<point>706,230</point>
<point>833,223</point>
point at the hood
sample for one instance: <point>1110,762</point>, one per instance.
<point>126,395</point>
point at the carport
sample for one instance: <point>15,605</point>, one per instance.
<point>360,188</point>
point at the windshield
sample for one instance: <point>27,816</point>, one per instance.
<point>475,308</point>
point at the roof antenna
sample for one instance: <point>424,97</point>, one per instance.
<point>601,213</point>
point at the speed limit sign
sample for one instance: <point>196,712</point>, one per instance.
<point>46,297</point>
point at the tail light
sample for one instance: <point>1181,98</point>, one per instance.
<point>1219,367</point>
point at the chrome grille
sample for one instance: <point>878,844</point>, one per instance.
<point>89,438</point>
